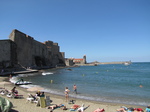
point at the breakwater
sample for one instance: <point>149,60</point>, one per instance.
<point>100,63</point>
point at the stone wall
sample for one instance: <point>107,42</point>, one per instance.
<point>4,50</point>
<point>69,62</point>
<point>33,53</point>
<point>8,55</point>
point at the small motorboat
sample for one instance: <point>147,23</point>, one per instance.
<point>126,63</point>
<point>23,83</point>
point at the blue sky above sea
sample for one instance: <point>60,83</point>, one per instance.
<point>104,30</point>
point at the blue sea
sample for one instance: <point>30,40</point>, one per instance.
<point>115,83</point>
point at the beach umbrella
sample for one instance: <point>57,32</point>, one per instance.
<point>35,89</point>
<point>5,105</point>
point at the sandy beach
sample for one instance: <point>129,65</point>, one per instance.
<point>22,105</point>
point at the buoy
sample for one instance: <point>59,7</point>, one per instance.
<point>140,86</point>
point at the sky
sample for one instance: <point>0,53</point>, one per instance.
<point>103,30</point>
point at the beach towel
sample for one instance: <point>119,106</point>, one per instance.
<point>74,108</point>
<point>139,109</point>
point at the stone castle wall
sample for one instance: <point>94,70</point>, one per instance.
<point>8,55</point>
<point>5,50</point>
<point>33,53</point>
<point>28,49</point>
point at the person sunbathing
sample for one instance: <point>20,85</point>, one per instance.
<point>34,97</point>
<point>57,106</point>
<point>74,107</point>
<point>4,91</point>
<point>82,108</point>
<point>99,110</point>
<point>122,109</point>
<point>14,90</point>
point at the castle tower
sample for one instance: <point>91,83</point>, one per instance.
<point>84,59</point>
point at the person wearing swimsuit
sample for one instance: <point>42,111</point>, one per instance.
<point>74,89</point>
<point>67,93</point>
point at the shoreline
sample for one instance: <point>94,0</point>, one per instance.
<point>57,99</point>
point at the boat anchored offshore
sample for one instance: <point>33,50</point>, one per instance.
<point>127,63</point>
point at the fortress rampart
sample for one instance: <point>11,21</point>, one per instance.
<point>22,49</point>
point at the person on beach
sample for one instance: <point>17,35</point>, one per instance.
<point>10,76</point>
<point>124,109</point>
<point>99,110</point>
<point>34,97</point>
<point>42,94</point>
<point>147,108</point>
<point>130,109</point>
<point>67,93</point>
<point>63,107</point>
<point>14,90</point>
<point>82,108</point>
<point>75,107</point>
<point>74,89</point>
<point>38,93</point>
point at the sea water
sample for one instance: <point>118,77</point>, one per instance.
<point>114,83</point>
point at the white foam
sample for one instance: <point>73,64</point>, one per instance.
<point>29,86</point>
<point>47,73</point>
<point>14,79</point>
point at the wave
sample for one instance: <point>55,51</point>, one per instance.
<point>47,73</point>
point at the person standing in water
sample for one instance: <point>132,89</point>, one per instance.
<point>67,93</point>
<point>74,89</point>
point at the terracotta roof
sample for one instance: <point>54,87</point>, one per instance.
<point>78,59</point>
